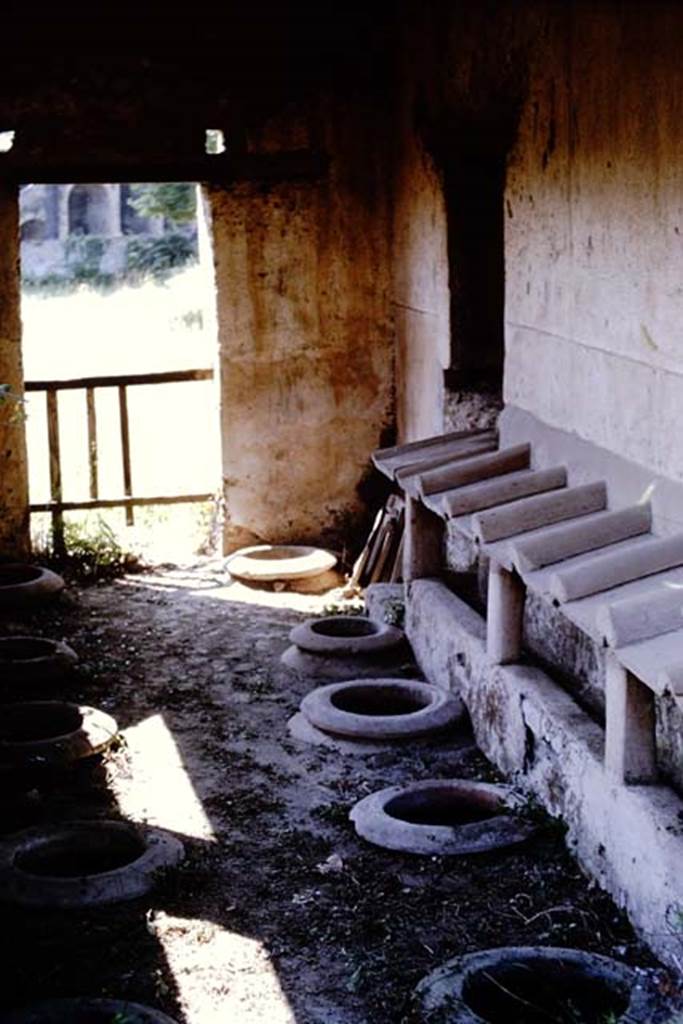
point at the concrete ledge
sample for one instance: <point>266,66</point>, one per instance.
<point>629,838</point>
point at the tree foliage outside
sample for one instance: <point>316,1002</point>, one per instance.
<point>174,200</point>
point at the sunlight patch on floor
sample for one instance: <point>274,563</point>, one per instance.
<point>162,793</point>
<point>211,581</point>
<point>200,952</point>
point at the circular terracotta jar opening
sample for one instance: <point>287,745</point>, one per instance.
<point>86,1011</point>
<point>345,625</point>
<point>39,720</point>
<point>535,985</point>
<point>30,659</point>
<point>67,855</point>
<point>84,863</point>
<point>381,708</point>
<point>22,584</point>
<point>270,563</point>
<point>440,817</point>
<point>345,635</point>
<point>52,733</point>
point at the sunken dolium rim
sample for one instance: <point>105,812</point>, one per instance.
<point>346,634</point>
<point>30,584</point>
<point>448,993</point>
<point>94,731</point>
<point>425,710</point>
<point>34,659</point>
<point>157,851</point>
<point>86,1011</point>
<point>383,818</point>
<point>341,667</point>
<point>272,562</point>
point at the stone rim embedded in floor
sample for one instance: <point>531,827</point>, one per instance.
<point>414,818</point>
<point>145,852</point>
<point>33,659</point>
<point>86,1011</point>
<point>465,988</point>
<point>23,585</point>
<point>415,708</point>
<point>47,734</point>
<point>302,730</point>
<point>343,635</point>
<point>268,563</point>
<point>338,668</point>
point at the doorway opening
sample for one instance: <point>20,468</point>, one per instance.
<point>474,188</point>
<point>119,345</point>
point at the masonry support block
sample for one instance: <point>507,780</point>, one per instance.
<point>630,750</point>
<point>505,615</point>
<point>423,549</point>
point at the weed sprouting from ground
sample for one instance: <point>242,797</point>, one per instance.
<point>92,553</point>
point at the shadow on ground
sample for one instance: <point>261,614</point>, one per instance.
<point>279,913</point>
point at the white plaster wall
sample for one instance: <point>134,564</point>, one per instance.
<point>421,300</point>
<point>594,234</point>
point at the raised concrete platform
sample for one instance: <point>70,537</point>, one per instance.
<point>630,838</point>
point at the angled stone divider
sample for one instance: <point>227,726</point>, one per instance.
<point>83,863</point>
<point>540,510</point>
<point>389,460</point>
<point>533,984</point>
<point>441,457</point>
<point>559,542</point>
<point>23,585</point>
<point>642,616</point>
<point>441,817</point>
<point>503,489</point>
<point>470,471</point>
<point>611,569</point>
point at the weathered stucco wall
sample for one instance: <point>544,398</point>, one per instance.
<point>593,234</point>
<point>461,71</point>
<point>306,337</point>
<point>420,288</point>
<point>14,526</point>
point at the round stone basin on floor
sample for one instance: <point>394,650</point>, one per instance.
<point>22,584</point>
<point>381,708</point>
<point>86,1011</point>
<point>440,804</point>
<point>84,863</point>
<point>270,563</point>
<point>39,720</point>
<point>440,817</point>
<point>67,856</point>
<point>11,575</point>
<point>345,625</point>
<point>346,635</point>
<point>380,699</point>
<point>536,985</point>
<point>28,659</point>
<point>47,734</point>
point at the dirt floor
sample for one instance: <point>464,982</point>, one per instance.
<point>279,914</point>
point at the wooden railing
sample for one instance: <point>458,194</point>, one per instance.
<point>56,506</point>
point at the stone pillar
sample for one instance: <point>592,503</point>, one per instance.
<point>630,747</point>
<point>14,515</point>
<point>505,615</point>
<point>423,554</point>
<point>63,193</point>
<point>104,210</point>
